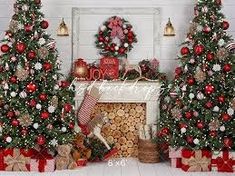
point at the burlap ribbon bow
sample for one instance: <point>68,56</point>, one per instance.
<point>17,162</point>
<point>197,163</point>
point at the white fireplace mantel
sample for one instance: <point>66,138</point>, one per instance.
<point>124,92</point>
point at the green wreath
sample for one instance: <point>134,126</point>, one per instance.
<point>115,37</point>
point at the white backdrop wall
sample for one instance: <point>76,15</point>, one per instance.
<point>180,11</point>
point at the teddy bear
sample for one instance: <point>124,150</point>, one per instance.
<point>80,151</point>
<point>64,159</point>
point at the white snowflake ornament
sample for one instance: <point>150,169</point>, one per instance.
<point>38,66</point>
<point>230,111</point>
<point>51,109</point>
<point>216,67</point>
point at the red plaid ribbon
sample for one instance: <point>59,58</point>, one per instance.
<point>84,114</point>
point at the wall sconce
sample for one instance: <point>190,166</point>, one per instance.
<point>63,29</point>
<point>169,29</point>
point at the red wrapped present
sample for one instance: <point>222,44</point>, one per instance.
<point>196,160</point>
<point>42,161</point>
<point>223,161</point>
<point>16,159</point>
<point>81,162</point>
<point>110,67</point>
<point>175,156</point>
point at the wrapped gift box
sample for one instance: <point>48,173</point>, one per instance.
<point>196,160</point>
<point>175,156</point>
<point>42,161</point>
<point>81,162</point>
<point>15,159</point>
<point>223,161</point>
<point>110,67</point>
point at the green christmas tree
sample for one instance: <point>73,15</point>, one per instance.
<point>197,108</point>
<point>36,104</point>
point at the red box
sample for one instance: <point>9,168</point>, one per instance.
<point>196,160</point>
<point>223,161</point>
<point>81,162</point>
<point>42,161</point>
<point>175,156</point>
<point>15,159</point>
<point>110,67</point>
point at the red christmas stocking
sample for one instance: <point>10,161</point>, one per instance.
<point>88,104</point>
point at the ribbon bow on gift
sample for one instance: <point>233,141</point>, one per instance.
<point>197,163</point>
<point>115,24</point>
<point>17,162</point>
<point>41,156</point>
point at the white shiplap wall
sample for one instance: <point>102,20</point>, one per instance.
<point>180,11</point>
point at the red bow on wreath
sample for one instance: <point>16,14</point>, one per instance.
<point>115,24</point>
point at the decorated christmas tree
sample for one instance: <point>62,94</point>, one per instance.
<point>197,108</point>
<point>36,104</point>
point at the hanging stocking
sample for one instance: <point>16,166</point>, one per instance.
<point>84,114</point>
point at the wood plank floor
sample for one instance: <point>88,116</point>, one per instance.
<point>130,167</point>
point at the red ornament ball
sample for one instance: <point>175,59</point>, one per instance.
<point>64,84</point>
<point>13,79</point>
<point>165,131</point>
<point>32,103</point>
<point>10,114</point>
<point>20,47</point>
<point>44,115</point>
<point>47,66</point>
<point>41,140</point>
<point>5,48</point>
<point>37,1</point>
<point>225,117</point>
<point>184,51</point>
<point>44,24</point>
<point>15,122</point>
<point>122,50</point>
<point>198,49</point>
<point>190,81</point>
<point>218,2</point>
<point>228,142</point>
<point>188,115</point>
<point>227,68</point>
<point>67,107</point>
<point>31,87</point>
<point>221,99</point>
<point>209,105</point>
<point>206,30</point>
<point>209,89</point>
<point>31,55</point>
<point>178,71</point>
<point>24,132</point>
<point>101,39</point>
<point>43,96</point>
<point>213,134</point>
<point>225,25</point>
<point>71,125</point>
<point>210,56</point>
<point>189,139</point>
<point>28,28</point>
<point>200,125</point>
